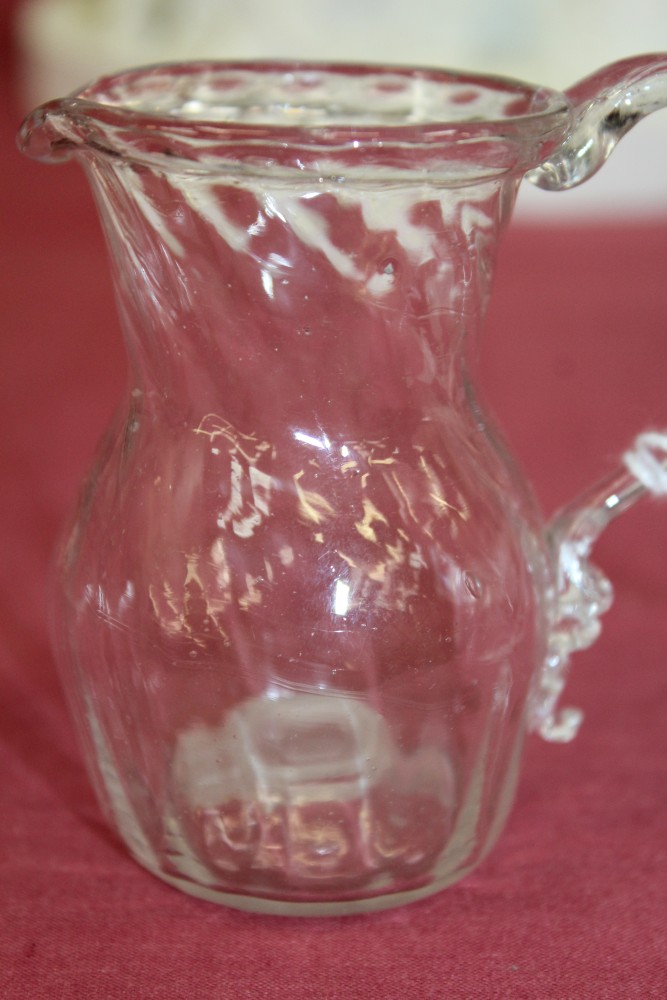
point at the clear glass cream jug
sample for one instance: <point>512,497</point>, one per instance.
<point>308,609</point>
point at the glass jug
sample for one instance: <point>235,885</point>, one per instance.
<point>308,609</point>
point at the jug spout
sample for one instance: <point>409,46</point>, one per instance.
<point>51,133</point>
<point>605,106</point>
<point>583,592</point>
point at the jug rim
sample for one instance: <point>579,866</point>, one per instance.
<point>128,114</point>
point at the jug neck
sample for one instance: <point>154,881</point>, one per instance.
<point>235,290</point>
<point>268,222</point>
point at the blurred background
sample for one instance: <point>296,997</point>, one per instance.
<point>61,44</point>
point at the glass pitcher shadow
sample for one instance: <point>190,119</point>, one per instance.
<point>308,608</point>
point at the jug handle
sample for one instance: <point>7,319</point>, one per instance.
<point>582,592</point>
<point>604,107</point>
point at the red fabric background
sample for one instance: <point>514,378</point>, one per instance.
<point>571,904</point>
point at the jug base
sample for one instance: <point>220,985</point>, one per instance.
<point>323,908</point>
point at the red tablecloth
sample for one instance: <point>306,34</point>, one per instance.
<point>572,902</point>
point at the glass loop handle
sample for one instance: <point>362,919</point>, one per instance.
<point>582,592</point>
<point>604,106</point>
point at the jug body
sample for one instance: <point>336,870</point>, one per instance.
<point>303,601</point>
